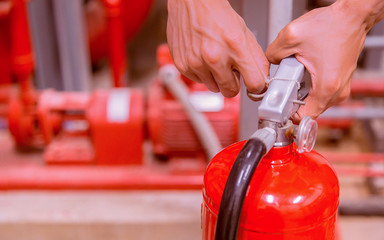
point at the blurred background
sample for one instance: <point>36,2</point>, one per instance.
<point>95,145</point>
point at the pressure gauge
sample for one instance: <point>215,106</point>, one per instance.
<point>306,135</point>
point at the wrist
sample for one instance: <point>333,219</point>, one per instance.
<point>367,12</point>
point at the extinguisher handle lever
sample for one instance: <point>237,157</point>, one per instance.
<point>286,90</point>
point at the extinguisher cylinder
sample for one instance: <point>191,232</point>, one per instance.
<point>238,181</point>
<point>291,196</point>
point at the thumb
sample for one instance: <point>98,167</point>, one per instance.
<point>283,46</point>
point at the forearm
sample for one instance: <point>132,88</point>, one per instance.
<point>370,11</point>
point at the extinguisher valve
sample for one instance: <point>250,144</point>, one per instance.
<point>286,91</point>
<point>267,135</point>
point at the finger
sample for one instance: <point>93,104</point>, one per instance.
<point>192,76</point>
<point>221,71</point>
<point>283,46</point>
<point>225,78</point>
<point>254,79</point>
<point>215,59</point>
<point>208,80</point>
<point>252,65</point>
<point>197,66</point>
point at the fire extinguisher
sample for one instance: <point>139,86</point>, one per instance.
<point>273,186</point>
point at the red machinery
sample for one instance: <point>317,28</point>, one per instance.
<point>105,128</point>
<point>14,57</point>
<point>91,141</point>
<point>123,20</point>
<point>132,15</point>
<point>170,130</point>
<point>5,43</point>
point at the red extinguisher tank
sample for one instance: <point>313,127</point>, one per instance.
<point>292,196</point>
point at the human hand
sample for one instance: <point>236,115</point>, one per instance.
<point>328,42</point>
<point>210,43</point>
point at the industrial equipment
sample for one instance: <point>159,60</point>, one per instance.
<point>270,187</point>
<point>5,56</point>
<point>123,20</point>
<point>105,127</point>
<point>90,140</point>
<point>15,52</point>
<point>170,129</point>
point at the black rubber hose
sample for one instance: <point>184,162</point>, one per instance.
<point>236,188</point>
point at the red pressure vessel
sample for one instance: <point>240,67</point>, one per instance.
<point>292,196</point>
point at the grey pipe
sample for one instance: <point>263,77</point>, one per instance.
<point>207,136</point>
<point>353,113</point>
<point>374,42</point>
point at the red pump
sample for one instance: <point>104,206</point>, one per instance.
<point>170,129</point>
<point>269,187</point>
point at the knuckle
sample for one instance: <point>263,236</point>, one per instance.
<point>180,66</point>
<point>211,55</point>
<point>320,103</point>
<point>194,62</point>
<point>290,33</point>
<point>331,87</point>
<point>234,38</point>
<point>319,107</point>
<point>315,115</point>
<point>330,90</point>
<point>192,77</point>
<point>344,94</point>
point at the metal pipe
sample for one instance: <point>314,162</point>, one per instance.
<point>73,49</point>
<point>44,41</point>
<point>374,42</point>
<point>353,113</point>
<point>203,128</point>
<point>280,14</point>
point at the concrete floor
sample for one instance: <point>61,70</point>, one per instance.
<point>139,215</point>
